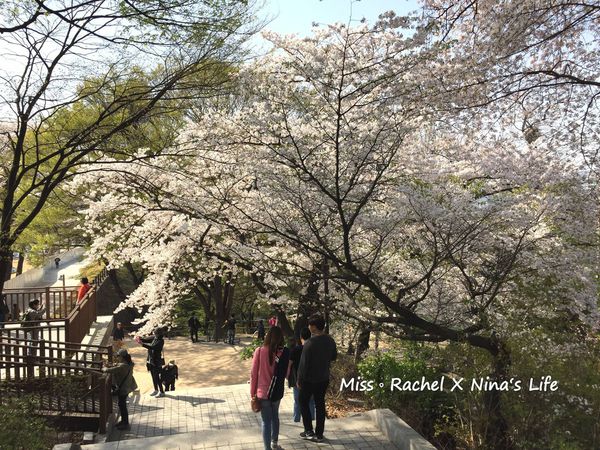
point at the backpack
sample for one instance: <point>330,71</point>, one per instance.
<point>278,380</point>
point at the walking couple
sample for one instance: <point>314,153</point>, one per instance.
<point>270,368</point>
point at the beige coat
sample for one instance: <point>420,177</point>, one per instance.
<point>122,378</point>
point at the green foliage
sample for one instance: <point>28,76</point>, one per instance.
<point>186,306</point>
<point>21,428</point>
<point>425,410</point>
<point>248,351</point>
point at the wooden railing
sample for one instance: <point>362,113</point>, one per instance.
<point>58,301</point>
<point>82,316</point>
<point>61,377</point>
<point>31,358</point>
<point>49,331</point>
<point>71,328</point>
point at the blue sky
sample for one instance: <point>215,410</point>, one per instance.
<point>297,16</point>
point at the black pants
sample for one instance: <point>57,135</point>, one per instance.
<point>155,371</point>
<point>169,385</point>
<point>123,409</point>
<point>193,335</point>
<point>318,391</point>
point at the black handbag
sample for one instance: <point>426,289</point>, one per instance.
<point>278,380</point>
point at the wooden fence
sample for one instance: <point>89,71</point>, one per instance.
<point>72,327</point>
<point>58,301</point>
<point>63,378</point>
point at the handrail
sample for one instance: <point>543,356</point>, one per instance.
<point>74,344</point>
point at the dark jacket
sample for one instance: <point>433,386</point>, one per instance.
<point>169,373</point>
<point>317,354</point>
<point>155,347</point>
<point>295,355</point>
<point>118,335</point>
<point>194,323</point>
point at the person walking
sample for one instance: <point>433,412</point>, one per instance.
<point>269,362</point>
<point>122,377</point>
<point>56,262</point>
<point>230,324</point>
<point>194,325</point>
<point>4,310</point>
<point>34,313</point>
<point>155,361</point>
<point>260,330</point>
<point>295,354</point>
<point>313,376</point>
<point>83,289</point>
<point>118,336</point>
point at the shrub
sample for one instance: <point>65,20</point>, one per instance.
<point>21,428</point>
<point>248,351</point>
<point>426,410</point>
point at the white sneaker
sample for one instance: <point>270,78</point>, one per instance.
<point>154,393</point>
<point>275,446</point>
<point>160,394</point>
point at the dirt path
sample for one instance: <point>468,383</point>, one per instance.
<point>202,364</point>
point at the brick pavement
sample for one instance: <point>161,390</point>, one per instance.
<point>220,418</point>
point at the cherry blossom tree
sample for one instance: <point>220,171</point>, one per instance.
<point>532,65</point>
<point>338,158</point>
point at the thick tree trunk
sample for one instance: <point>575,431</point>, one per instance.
<point>308,304</point>
<point>5,263</point>
<point>497,436</point>
<point>112,275</point>
<point>20,263</point>
<point>284,323</point>
<point>362,342</point>
<point>217,296</point>
<point>137,280</point>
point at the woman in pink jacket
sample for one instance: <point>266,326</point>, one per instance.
<point>270,363</point>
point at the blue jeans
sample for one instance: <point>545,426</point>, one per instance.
<point>269,412</point>
<point>297,410</point>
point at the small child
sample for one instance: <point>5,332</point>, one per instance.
<point>169,375</point>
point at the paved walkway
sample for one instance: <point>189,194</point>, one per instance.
<point>220,418</point>
<point>47,275</point>
<point>202,364</point>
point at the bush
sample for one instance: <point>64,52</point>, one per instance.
<point>21,428</point>
<point>248,351</point>
<point>427,410</point>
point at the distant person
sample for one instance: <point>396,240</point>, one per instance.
<point>16,312</point>
<point>313,376</point>
<point>4,311</point>
<point>122,377</point>
<point>56,262</point>
<point>230,324</point>
<point>34,313</point>
<point>83,289</point>
<point>272,358</point>
<point>295,354</point>
<point>155,361</point>
<point>260,330</point>
<point>194,325</point>
<point>169,374</point>
<point>118,336</point>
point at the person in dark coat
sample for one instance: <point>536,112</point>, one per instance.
<point>170,373</point>
<point>260,329</point>
<point>194,325</point>
<point>155,361</point>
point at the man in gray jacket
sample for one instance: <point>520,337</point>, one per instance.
<point>313,376</point>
